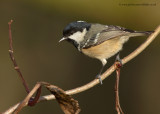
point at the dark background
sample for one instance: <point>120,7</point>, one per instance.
<point>36,30</point>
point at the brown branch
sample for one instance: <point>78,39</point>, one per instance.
<point>23,103</point>
<point>13,59</point>
<point>65,101</point>
<point>35,99</point>
<point>103,76</point>
<point>117,102</point>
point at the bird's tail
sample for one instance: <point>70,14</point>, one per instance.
<point>141,33</point>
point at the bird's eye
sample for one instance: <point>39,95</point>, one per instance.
<point>72,32</point>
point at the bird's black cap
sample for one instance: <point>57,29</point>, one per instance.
<point>74,27</point>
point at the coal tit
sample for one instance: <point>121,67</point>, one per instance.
<point>97,40</point>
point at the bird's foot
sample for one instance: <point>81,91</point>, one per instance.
<point>118,62</point>
<point>99,77</point>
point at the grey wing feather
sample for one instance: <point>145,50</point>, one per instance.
<point>109,32</point>
<point>106,33</point>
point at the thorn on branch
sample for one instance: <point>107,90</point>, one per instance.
<point>16,68</point>
<point>10,22</point>
<point>11,51</point>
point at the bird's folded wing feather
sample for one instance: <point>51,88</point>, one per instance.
<point>106,34</point>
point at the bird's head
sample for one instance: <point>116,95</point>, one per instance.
<point>74,32</point>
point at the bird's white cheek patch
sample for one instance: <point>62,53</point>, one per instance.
<point>78,36</point>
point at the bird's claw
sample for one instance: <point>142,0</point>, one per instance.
<point>118,61</point>
<point>99,77</point>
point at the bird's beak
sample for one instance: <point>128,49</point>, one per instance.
<point>62,39</point>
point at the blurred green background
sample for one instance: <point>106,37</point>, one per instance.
<point>36,30</point>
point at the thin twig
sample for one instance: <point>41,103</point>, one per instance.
<point>13,59</point>
<point>35,99</point>
<point>23,103</point>
<point>117,102</point>
<point>103,76</point>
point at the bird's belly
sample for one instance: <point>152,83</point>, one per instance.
<point>104,50</point>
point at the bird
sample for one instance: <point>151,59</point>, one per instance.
<point>97,40</point>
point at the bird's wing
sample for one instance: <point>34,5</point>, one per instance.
<point>106,34</point>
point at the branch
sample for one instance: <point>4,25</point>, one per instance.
<point>65,101</point>
<point>118,66</point>
<point>103,76</point>
<point>13,59</point>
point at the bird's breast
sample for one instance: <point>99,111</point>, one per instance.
<point>104,50</point>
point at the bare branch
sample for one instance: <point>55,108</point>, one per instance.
<point>103,76</point>
<point>117,102</point>
<point>66,102</point>
<point>25,101</point>
<point>13,59</point>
